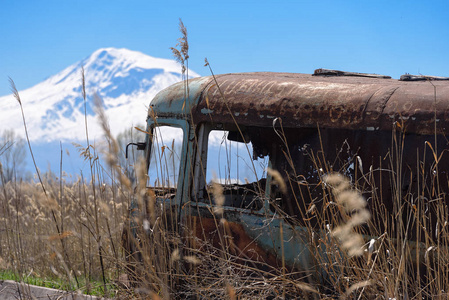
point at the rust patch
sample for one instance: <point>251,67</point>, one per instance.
<point>237,243</point>
<point>303,100</point>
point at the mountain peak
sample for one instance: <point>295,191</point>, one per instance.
<point>126,80</point>
<point>128,59</point>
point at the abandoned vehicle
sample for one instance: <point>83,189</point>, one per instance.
<point>249,152</point>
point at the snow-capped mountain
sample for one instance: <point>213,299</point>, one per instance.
<point>126,81</point>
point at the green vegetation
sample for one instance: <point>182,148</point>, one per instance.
<point>55,282</point>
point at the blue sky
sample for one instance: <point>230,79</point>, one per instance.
<point>40,38</point>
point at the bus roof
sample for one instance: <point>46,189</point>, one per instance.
<point>305,100</point>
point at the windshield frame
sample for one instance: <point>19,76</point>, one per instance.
<point>184,126</point>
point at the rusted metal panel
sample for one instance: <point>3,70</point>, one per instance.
<point>321,72</point>
<point>410,77</point>
<point>254,238</point>
<point>310,101</point>
<point>238,242</point>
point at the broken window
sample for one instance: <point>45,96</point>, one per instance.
<point>290,152</point>
<point>165,156</point>
<point>230,163</point>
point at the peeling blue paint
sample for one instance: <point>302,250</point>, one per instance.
<point>206,111</point>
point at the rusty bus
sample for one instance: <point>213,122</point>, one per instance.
<point>387,136</point>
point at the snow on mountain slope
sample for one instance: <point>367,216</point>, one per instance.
<point>126,80</point>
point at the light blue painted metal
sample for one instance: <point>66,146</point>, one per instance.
<point>172,101</point>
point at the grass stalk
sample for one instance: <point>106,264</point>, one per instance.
<point>17,97</point>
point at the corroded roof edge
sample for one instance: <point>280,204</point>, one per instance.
<point>303,100</point>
